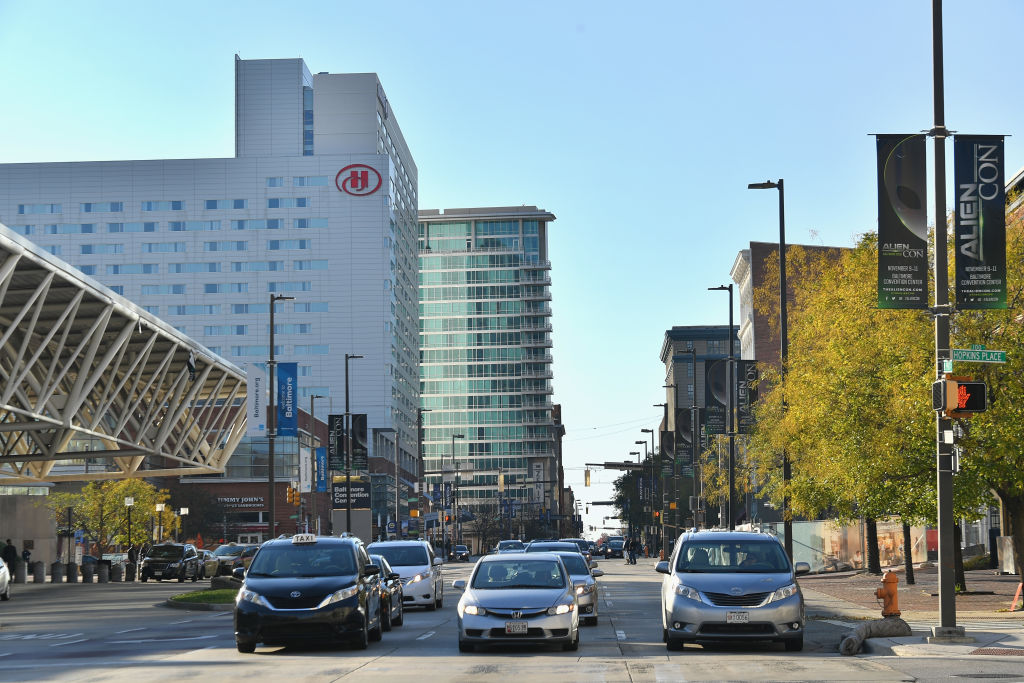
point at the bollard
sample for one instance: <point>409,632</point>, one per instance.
<point>57,572</point>
<point>117,573</point>
<point>88,570</point>
<point>104,573</point>
<point>38,572</point>
<point>20,571</point>
<point>71,573</point>
<point>129,572</point>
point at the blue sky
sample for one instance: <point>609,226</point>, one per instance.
<point>638,124</point>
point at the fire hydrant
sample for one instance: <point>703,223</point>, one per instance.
<point>887,594</point>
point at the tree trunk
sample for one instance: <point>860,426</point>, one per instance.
<point>874,565</point>
<point>908,560</point>
<point>1013,505</point>
<point>959,578</point>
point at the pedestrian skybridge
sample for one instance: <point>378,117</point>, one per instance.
<point>94,387</point>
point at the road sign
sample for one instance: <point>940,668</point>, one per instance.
<point>979,356</point>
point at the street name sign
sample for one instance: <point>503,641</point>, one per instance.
<point>979,356</point>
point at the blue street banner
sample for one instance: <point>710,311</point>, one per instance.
<point>321,470</point>
<point>902,221</point>
<point>979,221</point>
<point>287,397</point>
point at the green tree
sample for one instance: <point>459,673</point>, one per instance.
<point>99,511</point>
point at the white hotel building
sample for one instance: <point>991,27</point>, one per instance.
<point>319,203</point>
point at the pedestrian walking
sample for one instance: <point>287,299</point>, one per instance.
<point>9,554</point>
<point>633,543</point>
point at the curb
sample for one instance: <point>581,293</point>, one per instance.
<point>198,606</point>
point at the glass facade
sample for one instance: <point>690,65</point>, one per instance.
<point>485,359</point>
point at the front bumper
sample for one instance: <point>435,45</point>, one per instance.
<point>489,629</point>
<point>587,604</point>
<point>688,620</point>
<point>258,624</point>
<point>419,593</point>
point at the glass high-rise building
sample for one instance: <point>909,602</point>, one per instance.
<point>485,355</point>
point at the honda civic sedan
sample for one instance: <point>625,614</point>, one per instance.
<point>518,598</point>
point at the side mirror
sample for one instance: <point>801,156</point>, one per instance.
<point>371,569</point>
<point>802,568</point>
<point>662,567</point>
<point>238,572</point>
<point>597,573</point>
<point>394,576</point>
<point>459,584</point>
<point>437,561</point>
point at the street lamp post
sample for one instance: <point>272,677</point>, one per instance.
<point>272,419</point>
<point>661,464</point>
<point>730,398</point>
<point>315,512</point>
<point>444,501</point>
<point>160,523</point>
<point>629,517</point>
<point>348,450</point>
<point>129,501</point>
<point>787,520</point>
<point>183,513</point>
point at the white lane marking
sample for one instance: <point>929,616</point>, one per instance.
<point>609,602</point>
<point>183,621</point>
<point>426,635</point>
<point>70,642</point>
<point>620,635</point>
<point>156,640</point>
<point>219,614</point>
<point>129,630</point>
<point>5,654</point>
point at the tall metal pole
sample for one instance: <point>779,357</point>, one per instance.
<point>348,450</point>
<point>271,427</point>
<point>731,426</point>
<point>398,521</point>
<point>787,517</point>
<point>944,451</point>
<point>315,508</point>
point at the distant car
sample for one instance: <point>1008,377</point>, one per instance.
<point>583,545</point>
<point>227,554</point>
<point>5,582</point>
<point>556,547</point>
<point>171,561</point>
<point>460,553</point>
<point>616,546</point>
<point>209,564</point>
<point>392,607</point>
<point>731,585</point>
<point>245,558</point>
<point>421,571</point>
<point>510,546</point>
<point>518,598</point>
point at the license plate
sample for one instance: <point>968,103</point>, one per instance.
<point>157,572</point>
<point>737,617</point>
<point>516,626</point>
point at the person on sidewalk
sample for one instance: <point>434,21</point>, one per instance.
<point>633,543</point>
<point>9,555</point>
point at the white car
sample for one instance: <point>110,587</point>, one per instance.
<point>420,570</point>
<point>5,582</point>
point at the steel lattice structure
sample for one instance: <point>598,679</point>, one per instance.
<point>86,373</point>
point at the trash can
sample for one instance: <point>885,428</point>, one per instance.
<point>117,573</point>
<point>71,573</point>
<point>103,572</point>
<point>38,572</point>
<point>88,570</point>
<point>129,571</point>
<point>57,572</point>
<point>20,571</point>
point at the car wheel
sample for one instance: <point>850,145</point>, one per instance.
<point>144,579</point>
<point>573,644</point>
<point>432,605</point>
<point>465,647</point>
<point>362,640</point>
<point>664,635</point>
<point>673,644</point>
<point>440,600</point>
<point>795,644</point>
<point>181,576</point>
<point>400,619</point>
<point>246,646</point>
<point>6,595</point>
<point>592,621</point>
<point>385,621</point>
<point>202,572</point>
<point>378,632</point>
<point>195,576</point>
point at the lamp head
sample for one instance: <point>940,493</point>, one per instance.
<point>767,185</point>
<point>724,288</point>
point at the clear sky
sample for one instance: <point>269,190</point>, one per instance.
<point>638,125</point>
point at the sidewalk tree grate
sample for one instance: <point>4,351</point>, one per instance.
<point>999,651</point>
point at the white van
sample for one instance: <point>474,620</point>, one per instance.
<point>420,570</point>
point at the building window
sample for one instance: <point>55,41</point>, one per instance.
<point>278,245</point>
<point>164,205</point>
<point>163,247</point>
<point>236,330</point>
<point>290,286</point>
<point>287,202</point>
<point>52,249</point>
<point>257,224</point>
<point>212,204</point>
<point>277,181</point>
<point>91,207</point>
<point>194,309</point>
<point>40,208</point>
<point>225,246</point>
<point>208,267</point>
<point>226,288</point>
<point>309,223</point>
<point>154,290</point>
<point>131,227</point>
<point>133,269</point>
<point>187,226</point>
<point>310,307</point>
<point>88,270</point>
<point>70,229</point>
<point>153,310</point>
<point>317,264</point>
<point>256,266</point>
<point>307,122</point>
<point>102,249</point>
<point>309,180</point>
<point>118,289</point>
<point>22,229</point>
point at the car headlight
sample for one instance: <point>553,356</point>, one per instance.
<point>338,596</point>
<point>245,595</point>
<point>564,608</point>
<point>470,609</point>
<point>416,579</point>
<point>785,592</point>
<point>684,591</point>
<point>586,588</point>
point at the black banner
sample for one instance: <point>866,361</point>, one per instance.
<point>746,394</point>
<point>668,443</point>
<point>360,494</point>
<point>359,449</point>
<point>980,221</point>
<point>902,222</point>
<point>335,442</point>
<point>715,396</point>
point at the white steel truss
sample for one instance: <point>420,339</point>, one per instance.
<point>84,373</point>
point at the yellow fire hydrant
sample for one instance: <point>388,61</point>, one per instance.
<point>887,594</point>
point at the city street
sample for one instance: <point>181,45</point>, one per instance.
<point>124,632</point>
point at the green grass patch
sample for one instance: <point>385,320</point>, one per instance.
<point>213,597</point>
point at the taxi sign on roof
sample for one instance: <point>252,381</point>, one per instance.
<point>304,538</point>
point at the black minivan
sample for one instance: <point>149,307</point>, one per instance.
<point>171,561</point>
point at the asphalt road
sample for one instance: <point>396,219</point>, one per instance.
<point>123,632</point>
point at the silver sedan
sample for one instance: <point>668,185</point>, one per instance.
<point>518,598</point>
<point>587,590</point>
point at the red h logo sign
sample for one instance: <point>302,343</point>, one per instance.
<point>360,180</point>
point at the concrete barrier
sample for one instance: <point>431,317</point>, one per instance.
<point>57,572</point>
<point>38,572</point>
<point>103,573</point>
<point>88,570</point>
<point>116,573</point>
<point>71,573</point>
<point>20,571</point>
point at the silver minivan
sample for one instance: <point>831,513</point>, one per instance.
<point>731,585</point>
<point>419,568</point>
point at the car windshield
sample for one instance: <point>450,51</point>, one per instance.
<point>753,557</point>
<point>164,552</point>
<point>616,544</point>
<point>519,573</point>
<point>225,550</point>
<point>551,547</point>
<point>511,545</point>
<point>300,560</point>
<point>403,556</point>
<point>575,564</point>
<point>461,548</point>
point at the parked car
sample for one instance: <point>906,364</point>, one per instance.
<point>209,564</point>
<point>731,585</point>
<point>244,558</point>
<point>227,554</point>
<point>518,598</point>
<point>421,571</point>
<point>5,581</point>
<point>584,581</point>
<point>391,593</point>
<point>308,588</point>
<point>460,553</point>
<point>171,561</point>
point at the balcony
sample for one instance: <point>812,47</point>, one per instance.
<point>537,265</point>
<point>537,373</point>
<point>535,327</point>
<point>536,343</point>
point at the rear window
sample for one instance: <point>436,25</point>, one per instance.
<point>753,557</point>
<point>402,556</point>
<point>511,545</point>
<point>575,564</point>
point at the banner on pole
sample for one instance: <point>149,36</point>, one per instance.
<point>256,401</point>
<point>321,470</point>
<point>979,221</point>
<point>746,394</point>
<point>335,442</point>
<point>360,452</point>
<point>287,422</point>
<point>716,396</point>
<point>902,222</point>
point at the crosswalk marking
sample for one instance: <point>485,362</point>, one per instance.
<point>426,635</point>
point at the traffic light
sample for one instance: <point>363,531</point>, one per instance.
<point>958,396</point>
<point>586,477</point>
<point>293,496</point>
